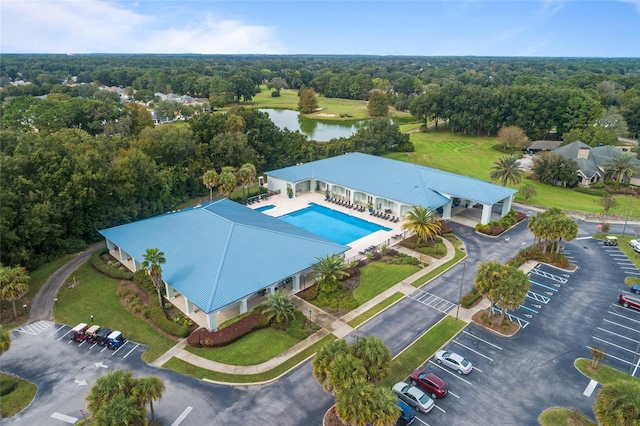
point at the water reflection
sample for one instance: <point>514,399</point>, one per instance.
<point>314,130</point>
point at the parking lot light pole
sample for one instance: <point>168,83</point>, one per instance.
<point>464,266</point>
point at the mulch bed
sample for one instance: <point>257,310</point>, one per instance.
<point>495,324</point>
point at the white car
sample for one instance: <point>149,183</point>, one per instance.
<point>635,244</point>
<point>454,361</point>
<point>414,397</point>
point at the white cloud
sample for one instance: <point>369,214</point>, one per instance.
<point>92,26</point>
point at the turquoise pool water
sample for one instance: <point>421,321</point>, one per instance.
<point>330,224</point>
<point>264,208</point>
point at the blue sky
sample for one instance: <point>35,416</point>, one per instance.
<point>427,28</point>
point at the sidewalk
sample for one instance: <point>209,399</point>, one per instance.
<point>330,324</point>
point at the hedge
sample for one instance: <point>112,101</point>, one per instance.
<point>7,386</point>
<point>230,333</point>
<point>590,191</point>
<point>116,273</point>
<point>156,313</point>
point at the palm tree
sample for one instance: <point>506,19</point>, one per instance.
<point>279,307</point>
<point>210,178</point>
<point>121,410</point>
<point>148,389</point>
<point>227,183</point>
<point>489,273</point>
<point>512,289</point>
<point>116,382</point>
<point>342,372</point>
<point>330,269</point>
<point>618,403</point>
<point>14,283</point>
<point>153,258</point>
<point>507,169</point>
<point>355,404</point>
<point>624,165</point>
<point>422,222</point>
<point>323,359</point>
<point>386,412</point>
<point>5,340</point>
<point>375,356</point>
<point>246,175</point>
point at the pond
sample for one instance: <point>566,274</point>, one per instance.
<point>313,129</point>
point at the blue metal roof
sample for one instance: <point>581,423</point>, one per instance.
<point>222,251</point>
<point>396,180</point>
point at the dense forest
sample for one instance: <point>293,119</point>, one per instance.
<point>81,159</point>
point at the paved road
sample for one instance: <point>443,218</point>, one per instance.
<point>42,306</point>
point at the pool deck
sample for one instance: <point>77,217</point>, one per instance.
<point>284,205</point>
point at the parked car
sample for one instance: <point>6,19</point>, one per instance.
<point>414,397</point>
<point>629,300</point>
<point>115,340</point>
<point>611,241</point>
<point>101,336</point>
<point>635,289</point>
<point>92,333</point>
<point>454,361</point>
<point>634,243</point>
<point>430,383</point>
<point>78,333</point>
<point>407,414</point>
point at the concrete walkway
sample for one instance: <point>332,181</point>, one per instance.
<point>329,324</point>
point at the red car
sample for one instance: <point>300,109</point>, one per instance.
<point>429,383</point>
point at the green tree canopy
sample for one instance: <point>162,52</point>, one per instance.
<point>153,261</point>
<point>14,283</point>
<point>506,170</point>
<point>378,105</point>
<point>618,403</point>
<point>422,222</point>
<point>308,102</point>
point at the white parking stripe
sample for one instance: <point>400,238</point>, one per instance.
<point>435,406</point>
<point>418,419</point>
<point>62,337</point>
<point>614,345</point>
<point>453,394</point>
<point>623,316</point>
<point>620,325</point>
<point>449,372</point>
<point>134,348</point>
<point>472,350</point>
<point>56,330</point>
<point>482,340</point>
<point>64,418</point>
<point>117,350</point>
<point>182,416</point>
<point>590,388</point>
<point>615,357</point>
<point>477,369</point>
<point>615,334</point>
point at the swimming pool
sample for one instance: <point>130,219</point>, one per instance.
<point>265,208</point>
<point>330,224</point>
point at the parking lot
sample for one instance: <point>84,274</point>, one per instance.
<point>62,333</point>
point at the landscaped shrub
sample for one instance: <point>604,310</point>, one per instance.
<point>309,293</point>
<point>470,298</point>
<point>534,253</point>
<point>275,94</point>
<point>7,386</point>
<point>497,228</point>
<point>403,259</point>
<point>159,318</point>
<point>299,327</point>
<point>229,334</point>
<point>590,191</point>
<point>144,282</point>
<point>117,272</point>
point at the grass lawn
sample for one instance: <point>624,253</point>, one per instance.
<point>377,277</point>
<point>96,296</point>
<point>376,309</point>
<point>38,278</point>
<point>422,349</point>
<point>437,250</point>
<point>182,367</point>
<point>459,255</point>
<point>17,400</point>
<point>605,373</point>
<point>474,155</point>
<point>560,417</point>
<point>243,352</point>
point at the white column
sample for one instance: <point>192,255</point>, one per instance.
<point>109,245</point>
<point>486,214</point>
<point>446,210</point>
<point>120,258</point>
<point>243,305</point>
<point>506,205</point>
<point>169,290</point>
<point>296,282</point>
<point>212,322</point>
<point>136,265</point>
<point>272,289</point>
<point>188,306</point>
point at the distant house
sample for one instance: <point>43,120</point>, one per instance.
<point>591,161</point>
<point>158,119</point>
<point>537,146</point>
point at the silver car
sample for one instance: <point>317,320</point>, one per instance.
<point>454,361</point>
<point>414,397</point>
